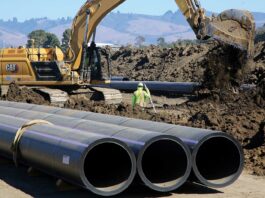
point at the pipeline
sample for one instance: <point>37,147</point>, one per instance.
<point>119,78</point>
<point>178,88</point>
<point>217,158</point>
<point>104,166</point>
<point>181,88</point>
<point>163,161</point>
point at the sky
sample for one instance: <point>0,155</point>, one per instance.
<point>26,9</point>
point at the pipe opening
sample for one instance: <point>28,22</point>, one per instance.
<point>164,164</point>
<point>108,167</point>
<point>218,160</point>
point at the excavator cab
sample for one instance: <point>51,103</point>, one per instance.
<point>94,62</point>
<point>93,65</point>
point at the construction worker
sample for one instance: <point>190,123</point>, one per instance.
<point>141,96</point>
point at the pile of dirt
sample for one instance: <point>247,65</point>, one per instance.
<point>226,67</point>
<point>23,94</point>
<point>182,63</point>
<point>81,103</point>
<point>209,62</point>
<point>239,115</point>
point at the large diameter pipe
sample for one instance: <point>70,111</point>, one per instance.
<point>217,158</point>
<point>119,78</point>
<point>104,166</point>
<point>163,161</point>
<point>181,88</point>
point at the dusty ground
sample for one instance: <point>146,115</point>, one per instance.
<point>16,183</point>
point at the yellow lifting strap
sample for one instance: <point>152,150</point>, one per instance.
<point>19,134</point>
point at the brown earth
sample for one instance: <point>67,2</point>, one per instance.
<point>23,94</point>
<point>206,62</point>
<point>182,63</point>
<point>219,106</point>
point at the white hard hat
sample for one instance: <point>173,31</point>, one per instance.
<point>140,84</point>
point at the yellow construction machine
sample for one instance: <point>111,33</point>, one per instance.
<point>57,76</point>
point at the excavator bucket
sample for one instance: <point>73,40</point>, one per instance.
<point>233,27</point>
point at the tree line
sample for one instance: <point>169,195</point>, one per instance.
<point>41,38</point>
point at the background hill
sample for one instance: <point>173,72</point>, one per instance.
<point>117,28</point>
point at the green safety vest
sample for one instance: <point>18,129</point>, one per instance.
<point>140,97</point>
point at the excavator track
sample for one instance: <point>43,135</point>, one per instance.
<point>92,93</point>
<point>56,97</point>
<point>110,96</point>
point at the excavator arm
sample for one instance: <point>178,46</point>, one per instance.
<point>233,27</point>
<point>84,25</point>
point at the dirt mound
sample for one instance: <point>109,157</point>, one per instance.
<point>214,64</point>
<point>23,94</point>
<point>182,63</point>
<point>122,109</point>
<point>241,116</point>
<point>225,67</point>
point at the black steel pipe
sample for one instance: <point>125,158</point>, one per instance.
<point>163,161</point>
<point>181,88</point>
<point>103,165</point>
<point>119,78</point>
<point>217,158</point>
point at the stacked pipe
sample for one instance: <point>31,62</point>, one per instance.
<point>217,159</point>
<point>163,161</point>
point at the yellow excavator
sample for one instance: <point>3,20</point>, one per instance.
<point>57,76</point>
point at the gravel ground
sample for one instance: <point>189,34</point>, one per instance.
<point>16,183</point>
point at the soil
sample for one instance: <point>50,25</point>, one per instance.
<point>181,63</point>
<point>219,106</point>
<point>188,63</point>
<point>23,94</point>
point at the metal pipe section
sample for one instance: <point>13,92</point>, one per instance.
<point>163,161</point>
<point>217,158</point>
<point>181,88</point>
<point>104,166</point>
<point>119,78</point>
